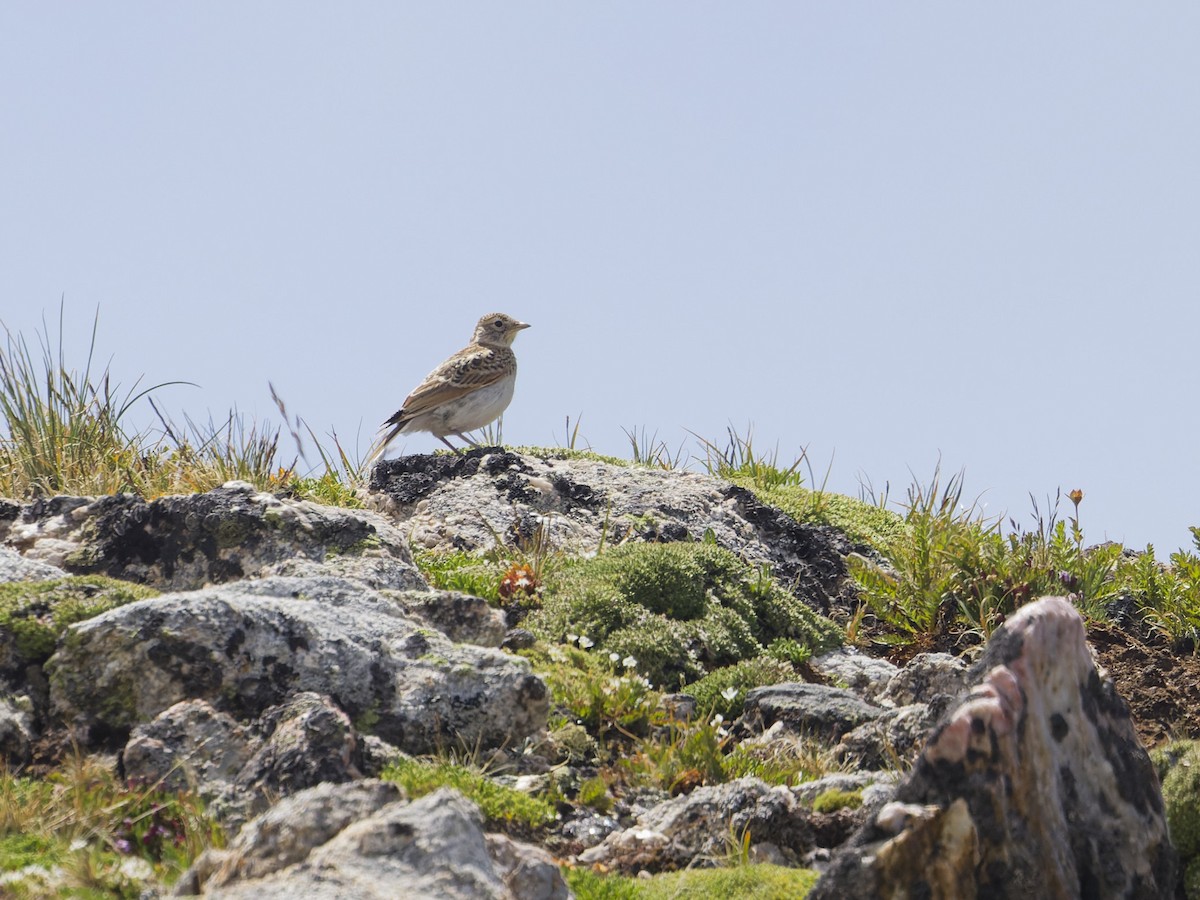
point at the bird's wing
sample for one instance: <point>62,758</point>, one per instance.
<point>466,371</point>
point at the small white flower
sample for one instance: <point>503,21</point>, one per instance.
<point>717,720</point>
<point>586,642</point>
<point>629,662</point>
<point>614,656</point>
<point>572,638</point>
<point>729,693</point>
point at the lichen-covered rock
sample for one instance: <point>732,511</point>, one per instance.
<point>895,738</point>
<point>17,731</point>
<point>848,668</point>
<point>812,709</point>
<point>288,832</point>
<point>580,503</point>
<point>250,646</point>
<point>697,828</point>
<point>459,616</point>
<point>241,769</point>
<point>188,541</point>
<point>33,614</point>
<point>926,676</point>
<point>431,848</point>
<point>15,567</point>
<point>1036,786</point>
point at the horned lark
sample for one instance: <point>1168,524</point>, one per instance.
<point>468,391</point>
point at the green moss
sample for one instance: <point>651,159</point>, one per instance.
<point>832,800</point>
<point>498,803</point>
<point>593,792</point>
<point>680,609</point>
<point>724,691</point>
<point>862,522</point>
<point>1179,764</point>
<point>35,613</point>
<point>755,882</point>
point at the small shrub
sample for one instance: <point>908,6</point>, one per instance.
<point>680,609</point>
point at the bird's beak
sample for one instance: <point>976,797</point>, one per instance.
<point>520,325</point>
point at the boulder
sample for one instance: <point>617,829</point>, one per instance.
<point>812,709</point>
<point>1035,786</point>
<point>577,503</point>
<point>700,828</point>
<point>848,668</point>
<point>240,770</point>
<point>250,646</point>
<point>230,533</point>
<point>17,731</point>
<point>15,567</point>
<point>926,676</point>
<point>315,845</point>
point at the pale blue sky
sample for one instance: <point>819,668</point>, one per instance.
<point>886,231</point>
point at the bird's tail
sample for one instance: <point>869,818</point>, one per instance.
<point>386,436</point>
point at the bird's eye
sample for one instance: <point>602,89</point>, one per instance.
<point>499,323</point>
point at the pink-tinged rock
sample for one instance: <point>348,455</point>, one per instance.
<point>1035,786</point>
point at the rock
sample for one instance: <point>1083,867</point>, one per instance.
<point>230,533</point>
<point>697,828</point>
<point>460,617</point>
<point>865,675</point>
<point>431,848</point>
<point>17,731</point>
<point>926,676</point>
<point>239,769</point>
<point>577,503</point>
<point>250,646</point>
<point>189,746</point>
<point>288,832</point>
<point>895,738</point>
<point>15,567</point>
<point>1035,786</point>
<point>808,791</point>
<point>814,709</point>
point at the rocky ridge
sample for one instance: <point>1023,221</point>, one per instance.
<point>294,650</point>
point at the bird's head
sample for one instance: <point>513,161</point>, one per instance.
<point>497,330</point>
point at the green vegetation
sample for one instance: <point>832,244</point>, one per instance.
<point>756,882</point>
<point>501,805</point>
<point>832,800</point>
<point>605,696</point>
<point>79,832</point>
<point>1178,767</point>
<point>34,613</point>
<point>67,431</point>
<point>679,610</point>
<point>955,571</point>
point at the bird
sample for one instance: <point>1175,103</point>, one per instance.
<point>467,391</point>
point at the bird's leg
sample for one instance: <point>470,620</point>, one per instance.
<point>477,446</point>
<point>442,438</point>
